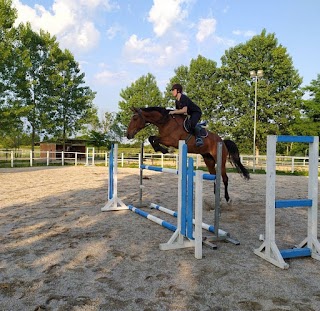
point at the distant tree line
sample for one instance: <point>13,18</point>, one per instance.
<point>44,96</point>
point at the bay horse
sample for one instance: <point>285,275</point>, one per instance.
<point>171,130</point>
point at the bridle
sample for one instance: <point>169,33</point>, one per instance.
<point>139,113</point>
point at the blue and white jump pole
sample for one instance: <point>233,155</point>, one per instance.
<point>310,246</point>
<point>205,226</point>
<point>114,203</point>
<point>153,218</point>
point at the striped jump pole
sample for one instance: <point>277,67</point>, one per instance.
<point>114,203</point>
<point>204,226</point>
<point>153,218</point>
<point>310,246</point>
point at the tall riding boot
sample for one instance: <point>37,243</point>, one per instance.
<point>199,140</point>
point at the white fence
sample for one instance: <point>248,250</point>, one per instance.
<point>27,158</point>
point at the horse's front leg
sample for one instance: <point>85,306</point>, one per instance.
<point>155,143</point>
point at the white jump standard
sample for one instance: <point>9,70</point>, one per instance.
<point>310,246</point>
<point>114,203</point>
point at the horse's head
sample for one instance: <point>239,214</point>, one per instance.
<point>137,123</point>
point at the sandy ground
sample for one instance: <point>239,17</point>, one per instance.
<point>60,252</point>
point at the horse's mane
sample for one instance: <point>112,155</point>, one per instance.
<point>162,110</point>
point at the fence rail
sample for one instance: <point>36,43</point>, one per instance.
<point>21,158</point>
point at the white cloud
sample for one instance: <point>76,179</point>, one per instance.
<point>72,21</point>
<point>112,31</point>
<point>111,78</point>
<point>246,33</point>
<point>84,38</point>
<point>148,52</point>
<point>164,14</point>
<point>224,41</point>
<point>206,27</point>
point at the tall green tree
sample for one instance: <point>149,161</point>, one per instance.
<point>310,124</point>
<point>71,101</point>
<point>31,79</point>
<point>279,96</point>
<point>10,110</point>
<point>144,92</point>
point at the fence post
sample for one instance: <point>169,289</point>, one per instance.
<point>11,158</point>
<point>31,158</point>
<point>76,159</point>
<point>177,159</point>
<point>48,158</point>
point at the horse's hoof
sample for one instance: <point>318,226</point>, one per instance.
<point>229,202</point>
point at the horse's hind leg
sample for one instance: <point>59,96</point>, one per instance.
<point>225,180</point>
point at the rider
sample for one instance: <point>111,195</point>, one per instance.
<point>184,105</point>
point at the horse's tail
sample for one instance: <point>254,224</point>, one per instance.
<point>234,158</point>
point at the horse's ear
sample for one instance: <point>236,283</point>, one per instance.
<point>134,109</point>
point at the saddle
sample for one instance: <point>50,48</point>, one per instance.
<point>201,126</point>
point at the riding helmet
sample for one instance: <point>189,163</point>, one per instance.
<point>177,87</point>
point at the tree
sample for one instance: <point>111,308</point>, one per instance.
<point>279,94</point>
<point>40,85</point>
<point>70,101</point>
<point>10,110</point>
<point>108,131</point>
<point>31,79</point>
<point>311,110</point>
<point>144,92</point>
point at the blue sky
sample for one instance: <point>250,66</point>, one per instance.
<point>116,42</point>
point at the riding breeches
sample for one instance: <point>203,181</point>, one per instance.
<point>194,119</point>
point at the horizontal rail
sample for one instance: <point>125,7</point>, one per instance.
<point>294,139</point>
<point>295,252</point>
<point>293,203</point>
<point>205,176</point>
<point>205,226</point>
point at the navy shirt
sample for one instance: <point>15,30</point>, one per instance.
<point>186,101</point>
